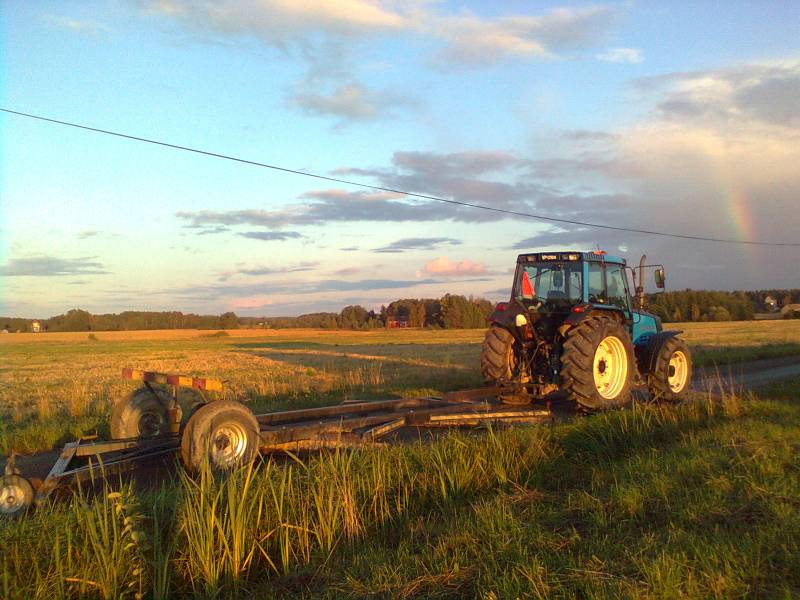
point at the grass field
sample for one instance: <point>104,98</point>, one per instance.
<point>699,500</point>
<point>56,386</point>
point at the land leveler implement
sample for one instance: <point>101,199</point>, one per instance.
<point>573,327</point>
<point>225,433</point>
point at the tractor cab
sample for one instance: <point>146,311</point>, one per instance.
<point>579,282</point>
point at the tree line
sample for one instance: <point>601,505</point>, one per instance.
<point>448,312</point>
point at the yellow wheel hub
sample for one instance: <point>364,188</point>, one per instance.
<point>610,367</point>
<point>678,371</point>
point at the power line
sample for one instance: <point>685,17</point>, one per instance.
<point>504,211</point>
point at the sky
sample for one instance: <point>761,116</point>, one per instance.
<point>680,117</point>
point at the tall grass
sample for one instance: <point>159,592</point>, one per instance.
<point>589,508</point>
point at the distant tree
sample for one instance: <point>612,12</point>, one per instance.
<point>228,320</point>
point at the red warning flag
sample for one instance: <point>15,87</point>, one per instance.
<point>527,286</point>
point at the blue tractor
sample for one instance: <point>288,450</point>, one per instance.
<point>572,326</point>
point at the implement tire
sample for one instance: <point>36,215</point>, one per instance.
<point>670,372</point>
<point>597,363</point>
<point>16,495</point>
<point>498,357</point>
<point>223,434</point>
<point>142,415</point>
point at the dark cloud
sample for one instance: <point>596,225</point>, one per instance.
<point>271,236</point>
<point>87,234</point>
<point>349,249</point>
<point>304,266</point>
<point>51,266</point>
<point>213,230</point>
<point>418,244</point>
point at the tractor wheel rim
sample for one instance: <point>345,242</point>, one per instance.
<point>610,367</point>
<point>229,445</point>
<point>151,424</point>
<point>12,498</point>
<point>678,371</point>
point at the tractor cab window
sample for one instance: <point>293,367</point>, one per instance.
<point>617,290</point>
<point>597,291</point>
<point>550,281</point>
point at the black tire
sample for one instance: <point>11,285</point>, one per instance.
<point>224,434</point>
<point>16,496</point>
<point>498,356</point>
<point>670,374</point>
<point>578,357</point>
<point>143,415</point>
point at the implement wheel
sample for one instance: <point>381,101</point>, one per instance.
<point>16,495</point>
<point>224,434</point>
<point>498,357</point>
<point>671,371</point>
<point>597,363</point>
<point>144,414</point>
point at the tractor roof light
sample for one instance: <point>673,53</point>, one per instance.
<point>549,256</point>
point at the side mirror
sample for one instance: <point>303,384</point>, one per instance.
<point>660,278</point>
<point>558,279</point>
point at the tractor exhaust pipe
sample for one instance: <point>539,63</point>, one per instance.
<point>640,286</point>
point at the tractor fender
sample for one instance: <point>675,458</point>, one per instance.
<point>505,316</point>
<point>647,352</point>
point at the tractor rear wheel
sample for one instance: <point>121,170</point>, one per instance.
<point>597,363</point>
<point>671,371</point>
<point>223,434</point>
<point>498,357</point>
<point>143,414</point>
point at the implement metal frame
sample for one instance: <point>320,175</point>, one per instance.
<point>343,425</point>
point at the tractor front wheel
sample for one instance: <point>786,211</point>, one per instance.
<point>597,363</point>
<point>671,371</point>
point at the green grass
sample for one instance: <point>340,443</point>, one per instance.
<point>698,500</point>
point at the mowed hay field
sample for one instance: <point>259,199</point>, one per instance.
<point>56,386</point>
<point>700,500</point>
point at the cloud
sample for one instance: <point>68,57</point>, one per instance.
<point>630,56</point>
<point>444,267</point>
<point>350,101</point>
<point>51,266</point>
<point>213,230</point>
<point>418,244</point>
<point>87,234</point>
<point>465,38</point>
<point>271,236</point>
<point>475,41</point>
<point>760,92</point>
<point>280,23</point>
<point>261,271</point>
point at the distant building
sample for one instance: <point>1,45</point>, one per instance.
<point>770,304</point>
<point>790,310</point>
<point>397,322</point>
<point>36,327</point>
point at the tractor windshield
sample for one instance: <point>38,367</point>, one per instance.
<point>550,282</point>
